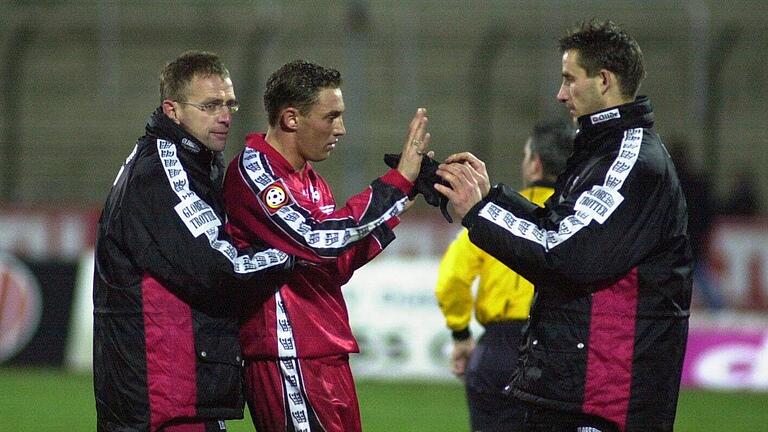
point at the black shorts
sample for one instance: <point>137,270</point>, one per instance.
<point>488,372</point>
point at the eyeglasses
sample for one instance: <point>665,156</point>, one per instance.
<point>214,108</point>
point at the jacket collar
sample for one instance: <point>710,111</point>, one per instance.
<point>637,113</point>
<point>160,126</point>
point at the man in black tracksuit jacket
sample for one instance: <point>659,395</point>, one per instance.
<point>166,354</point>
<point>608,255</point>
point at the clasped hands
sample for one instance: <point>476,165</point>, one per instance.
<point>468,181</point>
<point>464,177</point>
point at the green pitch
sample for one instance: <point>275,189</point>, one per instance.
<point>54,401</point>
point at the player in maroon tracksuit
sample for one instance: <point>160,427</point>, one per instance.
<point>296,341</point>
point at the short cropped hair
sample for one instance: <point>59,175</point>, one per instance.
<point>552,140</point>
<point>297,84</point>
<point>177,74</point>
<point>603,45</point>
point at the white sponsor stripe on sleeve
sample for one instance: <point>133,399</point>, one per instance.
<point>297,222</point>
<point>199,217</point>
<point>595,204</point>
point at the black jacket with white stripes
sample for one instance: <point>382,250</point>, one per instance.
<point>165,283</point>
<point>610,260</point>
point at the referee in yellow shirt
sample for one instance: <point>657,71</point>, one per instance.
<point>503,297</point>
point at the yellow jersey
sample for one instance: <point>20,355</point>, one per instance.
<point>501,294</point>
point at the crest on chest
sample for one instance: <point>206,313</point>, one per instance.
<point>275,196</point>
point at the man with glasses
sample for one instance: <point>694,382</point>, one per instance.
<point>166,355</point>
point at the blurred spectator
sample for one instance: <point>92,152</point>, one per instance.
<point>702,209</point>
<point>503,297</point>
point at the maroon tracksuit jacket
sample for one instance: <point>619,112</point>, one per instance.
<point>267,200</point>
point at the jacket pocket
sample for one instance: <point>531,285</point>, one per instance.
<point>219,371</point>
<point>556,361</point>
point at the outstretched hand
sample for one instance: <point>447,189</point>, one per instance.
<point>425,182</point>
<point>468,180</point>
<point>416,144</point>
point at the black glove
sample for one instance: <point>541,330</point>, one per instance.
<point>425,183</point>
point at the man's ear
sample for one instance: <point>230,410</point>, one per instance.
<point>289,119</point>
<point>169,109</point>
<point>608,81</point>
